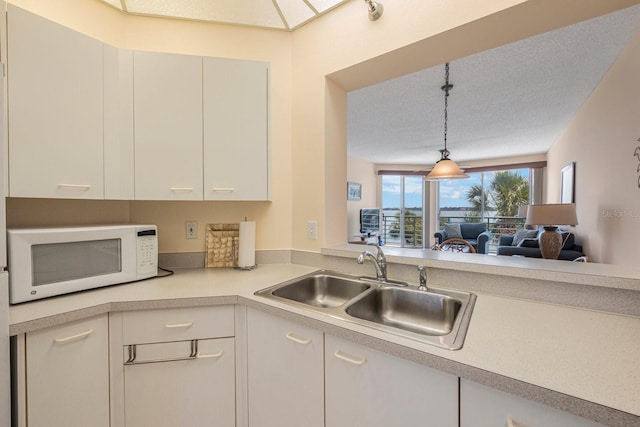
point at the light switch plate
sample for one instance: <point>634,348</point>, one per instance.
<point>312,229</point>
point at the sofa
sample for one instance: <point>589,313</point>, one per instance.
<point>526,244</point>
<point>476,233</point>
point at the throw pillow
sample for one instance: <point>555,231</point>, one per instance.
<point>523,234</point>
<point>452,230</point>
<point>529,243</point>
<point>568,240</point>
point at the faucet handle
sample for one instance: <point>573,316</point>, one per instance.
<point>423,278</point>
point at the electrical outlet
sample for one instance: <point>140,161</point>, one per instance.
<point>312,229</point>
<point>191,229</point>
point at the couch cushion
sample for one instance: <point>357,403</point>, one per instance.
<point>523,234</point>
<point>452,230</point>
<point>471,230</point>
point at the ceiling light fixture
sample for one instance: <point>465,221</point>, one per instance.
<point>446,168</point>
<point>375,10</point>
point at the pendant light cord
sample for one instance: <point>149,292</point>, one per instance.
<point>446,88</point>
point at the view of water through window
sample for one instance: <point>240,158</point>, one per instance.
<point>492,196</point>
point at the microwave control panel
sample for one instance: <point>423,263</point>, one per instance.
<point>147,252</point>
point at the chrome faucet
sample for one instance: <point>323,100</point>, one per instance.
<point>423,278</point>
<point>379,261</point>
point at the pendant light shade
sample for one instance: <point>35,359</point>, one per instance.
<point>446,168</point>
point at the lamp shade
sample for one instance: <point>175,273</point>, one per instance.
<point>552,215</point>
<point>446,169</point>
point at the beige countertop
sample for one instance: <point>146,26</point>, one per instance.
<point>551,352</point>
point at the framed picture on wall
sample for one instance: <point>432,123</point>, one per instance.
<point>567,184</point>
<point>354,191</point>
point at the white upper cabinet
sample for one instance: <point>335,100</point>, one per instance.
<point>168,126</point>
<point>55,109</point>
<point>236,143</point>
<point>118,123</point>
<point>88,120</point>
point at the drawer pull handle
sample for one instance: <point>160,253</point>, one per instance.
<point>73,337</point>
<point>349,359</point>
<point>179,325</point>
<point>80,187</point>
<point>209,356</point>
<point>513,423</point>
<point>223,189</point>
<point>182,189</point>
<point>193,355</point>
<point>291,336</point>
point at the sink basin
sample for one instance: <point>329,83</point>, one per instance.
<point>438,317</point>
<point>410,310</point>
<point>322,290</point>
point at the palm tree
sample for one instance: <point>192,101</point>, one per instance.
<point>509,190</point>
<point>479,199</point>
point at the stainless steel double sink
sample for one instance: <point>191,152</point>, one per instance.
<point>438,316</point>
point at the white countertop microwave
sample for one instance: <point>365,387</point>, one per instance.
<point>45,262</point>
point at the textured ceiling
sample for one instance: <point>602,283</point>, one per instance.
<point>277,14</point>
<point>513,100</point>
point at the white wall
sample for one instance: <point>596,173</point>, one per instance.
<point>602,140</point>
<point>363,172</point>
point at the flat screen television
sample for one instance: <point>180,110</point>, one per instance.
<point>370,220</point>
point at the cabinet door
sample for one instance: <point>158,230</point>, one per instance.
<point>55,101</point>
<point>168,126</point>
<point>194,392</point>
<point>368,388</point>
<point>285,373</point>
<point>482,406</point>
<point>118,123</point>
<point>68,375</point>
<point>235,130</point>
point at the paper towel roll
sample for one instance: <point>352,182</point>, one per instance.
<point>247,249</point>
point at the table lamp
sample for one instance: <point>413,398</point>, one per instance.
<point>550,216</point>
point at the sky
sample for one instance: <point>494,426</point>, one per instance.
<point>453,193</point>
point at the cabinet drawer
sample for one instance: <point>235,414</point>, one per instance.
<point>177,324</point>
<point>195,392</point>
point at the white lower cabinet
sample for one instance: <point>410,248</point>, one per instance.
<point>285,373</point>
<point>165,387</point>
<point>173,367</point>
<point>294,380</point>
<point>482,406</point>
<point>67,375</point>
<point>368,388</point>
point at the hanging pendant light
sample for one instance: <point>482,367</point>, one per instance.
<point>445,168</point>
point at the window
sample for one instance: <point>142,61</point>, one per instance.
<point>402,210</point>
<point>492,196</point>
